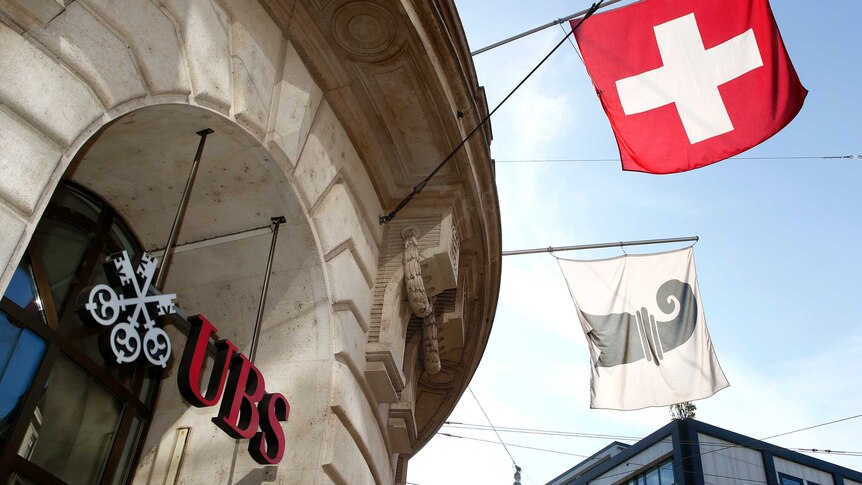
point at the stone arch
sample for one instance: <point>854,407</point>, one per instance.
<point>138,163</point>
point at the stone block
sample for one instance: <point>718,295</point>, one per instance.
<point>27,161</point>
<point>205,35</point>
<point>41,91</point>
<point>348,287</point>
<point>11,230</point>
<point>95,53</point>
<point>318,164</point>
<point>152,37</point>
<point>355,414</point>
<point>348,342</point>
<point>439,256</point>
<point>343,463</point>
<point>399,435</point>
<point>256,48</point>
<point>32,13</point>
<point>299,98</point>
<point>381,381</point>
<point>339,225</point>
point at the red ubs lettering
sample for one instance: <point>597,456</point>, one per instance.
<point>246,406</point>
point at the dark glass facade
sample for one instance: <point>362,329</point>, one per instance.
<point>66,415</point>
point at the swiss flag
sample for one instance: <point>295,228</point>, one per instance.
<point>687,83</point>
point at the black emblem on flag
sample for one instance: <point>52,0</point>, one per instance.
<point>624,338</point>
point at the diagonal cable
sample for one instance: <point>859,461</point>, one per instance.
<point>492,426</point>
<point>421,185</point>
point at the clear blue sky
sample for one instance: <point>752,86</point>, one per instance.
<point>777,263</point>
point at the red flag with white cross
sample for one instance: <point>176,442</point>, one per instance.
<point>687,83</point>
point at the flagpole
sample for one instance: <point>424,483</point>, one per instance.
<point>618,244</point>
<point>537,29</point>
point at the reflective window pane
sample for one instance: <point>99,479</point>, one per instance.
<point>121,234</point>
<point>22,290</point>
<point>21,351</point>
<point>128,450</point>
<point>666,473</point>
<point>62,246</point>
<point>72,199</point>
<point>72,430</point>
<point>18,479</point>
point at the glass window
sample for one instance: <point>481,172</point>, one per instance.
<point>17,479</point>
<point>657,475</point>
<point>665,472</point>
<point>61,249</point>
<point>789,480</point>
<point>64,420</point>
<point>128,450</point>
<point>22,289</point>
<point>73,429</point>
<point>21,351</point>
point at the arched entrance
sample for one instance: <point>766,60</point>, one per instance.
<point>121,193</point>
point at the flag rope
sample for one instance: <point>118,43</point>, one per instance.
<point>616,244</point>
<point>421,185</point>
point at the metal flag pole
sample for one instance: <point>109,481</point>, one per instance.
<point>537,29</point>
<point>181,210</point>
<point>601,245</point>
<point>276,222</point>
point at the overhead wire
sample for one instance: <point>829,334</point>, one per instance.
<point>776,157</point>
<point>571,434</point>
<point>735,445</point>
<point>384,219</point>
<point>627,463</point>
<point>492,427</point>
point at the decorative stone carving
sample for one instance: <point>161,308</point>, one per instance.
<point>421,305</point>
<point>418,262</point>
<point>365,29</point>
<point>416,295</point>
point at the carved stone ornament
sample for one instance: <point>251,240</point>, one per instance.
<point>134,308</point>
<point>420,304</point>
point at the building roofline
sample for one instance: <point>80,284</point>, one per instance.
<point>695,426</point>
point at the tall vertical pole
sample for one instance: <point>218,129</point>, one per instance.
<point>276,222</point>
<point>181,210</point>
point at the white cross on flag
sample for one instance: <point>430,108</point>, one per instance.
<point>646,330</point>
<point>687,83</point>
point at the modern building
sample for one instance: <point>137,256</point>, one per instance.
<point>689,452</point>
<point>325,113</point>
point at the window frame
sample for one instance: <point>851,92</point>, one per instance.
<point>55,331</point>
<point>795,480</point>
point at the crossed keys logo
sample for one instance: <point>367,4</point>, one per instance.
<point>134,308</point>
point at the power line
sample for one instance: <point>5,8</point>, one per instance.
<point>492,427</point>
<point>735,445</point>
<point>572,434</point>
<point>449,435</point>
<point>579,160</point>
<point>480,427</point>
<point>744,444</point>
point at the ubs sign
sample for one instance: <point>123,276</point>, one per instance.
<point>247,411</point>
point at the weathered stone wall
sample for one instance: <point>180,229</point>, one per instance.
<point>340,122</point>
<point>67,74</point>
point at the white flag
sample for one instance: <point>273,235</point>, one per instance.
<point>644,322</point>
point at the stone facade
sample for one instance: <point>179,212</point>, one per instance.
<point>324,111</point>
